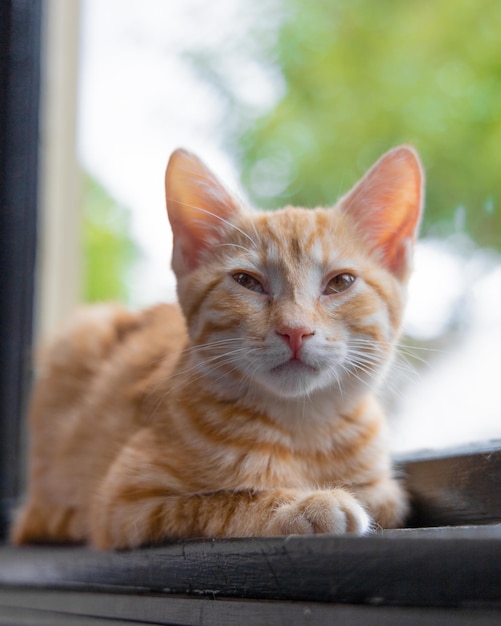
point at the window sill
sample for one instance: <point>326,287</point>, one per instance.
<point>416,574</point>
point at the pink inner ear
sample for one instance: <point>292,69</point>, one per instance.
<point>386,205</point>
<point>198,206</point>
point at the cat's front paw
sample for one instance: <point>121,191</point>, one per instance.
<point>333,511</point>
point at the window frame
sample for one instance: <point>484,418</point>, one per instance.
<point>20,44</point>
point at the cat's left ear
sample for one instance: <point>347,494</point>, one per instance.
<point>198,206</point>
<point>386,206</point>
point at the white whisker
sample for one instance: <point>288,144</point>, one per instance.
<point>232,245</point>
<point>221,219</point>
<point>195,372</point>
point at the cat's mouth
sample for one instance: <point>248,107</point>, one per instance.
<point>294,365</point>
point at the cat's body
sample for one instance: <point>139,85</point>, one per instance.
<point>258,417</point>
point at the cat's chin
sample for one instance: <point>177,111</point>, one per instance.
<point>294,379</point>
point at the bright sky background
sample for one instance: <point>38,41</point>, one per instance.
<point>139,100</point>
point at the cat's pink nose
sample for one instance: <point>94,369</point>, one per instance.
<point>295,337</point>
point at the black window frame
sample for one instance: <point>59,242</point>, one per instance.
<point>20,52</point>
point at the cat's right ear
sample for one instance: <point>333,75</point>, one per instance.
<point>387,205</point>
<point>198,206</point>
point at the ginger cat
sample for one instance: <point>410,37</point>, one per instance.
<point>249,410</point>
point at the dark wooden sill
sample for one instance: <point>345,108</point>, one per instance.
<point>457,486</point>
<point>396,576</point>
<point>448,574</point>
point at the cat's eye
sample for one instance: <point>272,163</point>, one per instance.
<point>249,282</point>
<point>338,283</point>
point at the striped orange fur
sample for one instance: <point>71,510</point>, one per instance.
<point>250,409</point>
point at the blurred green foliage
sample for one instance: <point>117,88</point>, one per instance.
<point>363,76</point>
<point>108,249</point>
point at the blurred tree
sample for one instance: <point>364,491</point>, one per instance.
<point>363,76</point>
<point>109,251</point>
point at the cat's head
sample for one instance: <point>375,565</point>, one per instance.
<point>298,300</point>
